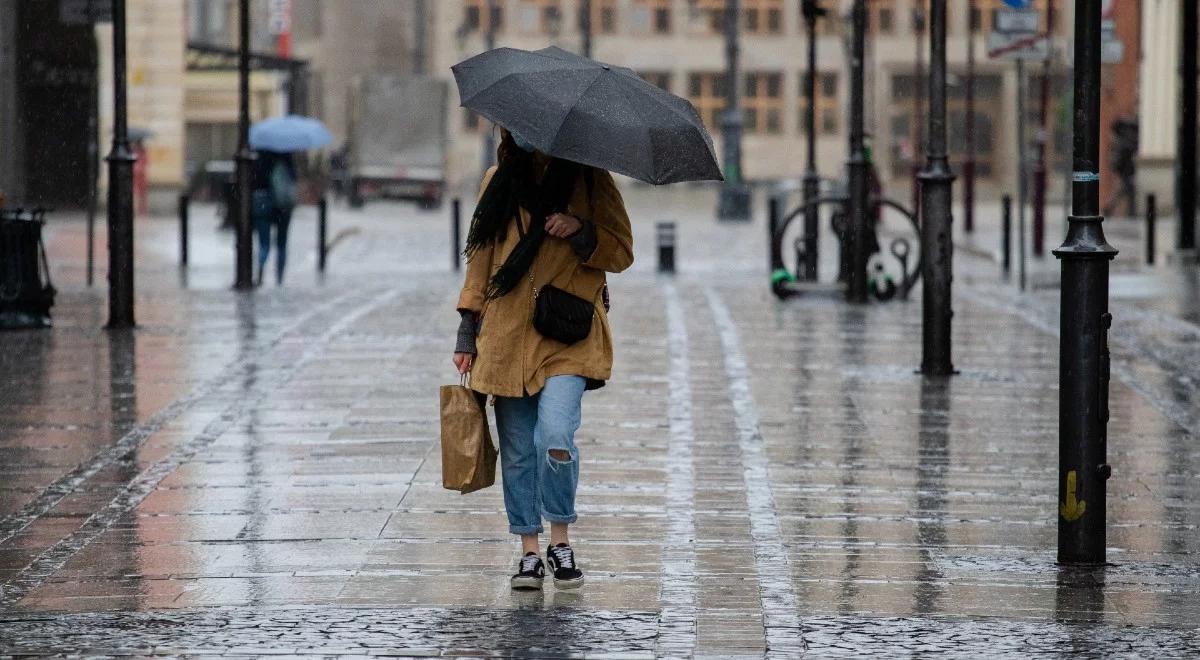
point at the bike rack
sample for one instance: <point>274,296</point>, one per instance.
<point>784,284</point>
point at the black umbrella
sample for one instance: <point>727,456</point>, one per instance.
<point>581,110</point>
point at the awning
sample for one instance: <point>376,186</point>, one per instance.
<point>205,57</point>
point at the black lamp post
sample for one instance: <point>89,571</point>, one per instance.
<point>735,195</point>
<point>860,230</point>
<point>245,157</point>
<point>1083,343</point>
<point>968,165</point>
<point>937,248</point>
<point>918,141</point>
<point>585,27</point>
<point>812,180</point>
<point>120,189</point>
<point>1186,144</point>
<point>1039,165</point>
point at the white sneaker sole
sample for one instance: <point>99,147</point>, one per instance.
<point>525,583</point>
<point>568,584</point>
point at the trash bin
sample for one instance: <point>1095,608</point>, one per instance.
<point>26,294</point>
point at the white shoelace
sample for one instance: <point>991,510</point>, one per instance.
<point>529,563</point>
<point>564,556</point>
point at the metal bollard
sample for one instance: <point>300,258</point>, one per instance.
<point>1151,219</point>
<point>1006,235</point>
<point>455,233</point>
<point>666,247</point>
<point>184,203</point>
<point>322,228</point>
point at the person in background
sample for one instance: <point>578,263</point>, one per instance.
<point>272,201</point>
<point>1124,165</point>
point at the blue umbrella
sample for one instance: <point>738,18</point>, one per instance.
<point>289,133</point>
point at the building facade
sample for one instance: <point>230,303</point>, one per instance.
<point>678,45</point>
<point>189,105</point>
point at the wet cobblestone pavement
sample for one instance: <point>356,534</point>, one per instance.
<point>249,475</point>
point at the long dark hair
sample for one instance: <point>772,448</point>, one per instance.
<point>513,186</point>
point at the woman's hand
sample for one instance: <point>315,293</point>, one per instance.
<point>562,225</point>
<point>464,361</point>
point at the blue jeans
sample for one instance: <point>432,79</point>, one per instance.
<point>266,216</point>
<point>536,484</point>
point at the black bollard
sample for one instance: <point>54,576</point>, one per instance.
<point>1083,342</point>
<point>666,247</point>
<point>455,233</point>
<point>1151,219</point>
<point>184,202</point>
<point>322,232</point>
<point>1006,235</point>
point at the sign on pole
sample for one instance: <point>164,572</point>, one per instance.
<point>1017,21</point>
<point>1016,34</point>
<point>1002,46</point>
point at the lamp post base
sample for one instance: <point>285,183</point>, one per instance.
<point>734,203</point>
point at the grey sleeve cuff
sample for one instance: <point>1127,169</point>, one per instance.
<point>583,242</point>
<point>467,328</point>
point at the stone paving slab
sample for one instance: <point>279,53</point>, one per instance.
<point>559,632</point>
<point>252,475</point>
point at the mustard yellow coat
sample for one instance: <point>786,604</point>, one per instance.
<point>513,359</point>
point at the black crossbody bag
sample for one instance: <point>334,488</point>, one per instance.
<point>562,316</point>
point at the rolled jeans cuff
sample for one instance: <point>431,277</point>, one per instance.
<point>554,518</point>
<point>525,529</point>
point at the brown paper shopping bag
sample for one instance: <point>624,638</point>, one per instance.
<point>468,455</point>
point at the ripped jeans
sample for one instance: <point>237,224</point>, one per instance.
<point>536,484</point>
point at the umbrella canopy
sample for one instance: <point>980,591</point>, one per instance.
<point>581,110</point>
<point>289,133</point>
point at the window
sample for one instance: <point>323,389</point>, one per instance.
<point>604,16</point>
<point>651,16</point>
<point>988,106</point>
<point>881,16</point>
<point>660,79</point>
<point>706,91</point>
<point>712,12</point>
<point>828,109</point>
<point>478,19</point>
<point>209,22</point>
<point>762,104</point>
<point>540,17</point>
<point>763,16</point>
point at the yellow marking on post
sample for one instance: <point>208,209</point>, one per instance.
<point>1073,508</point>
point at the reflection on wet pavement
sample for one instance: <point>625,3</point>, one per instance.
<point>247,474</point>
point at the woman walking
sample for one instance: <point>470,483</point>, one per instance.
<point>534,331</point>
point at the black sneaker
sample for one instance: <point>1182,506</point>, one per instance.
<point>562,561</point>
<point>530,572</point>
